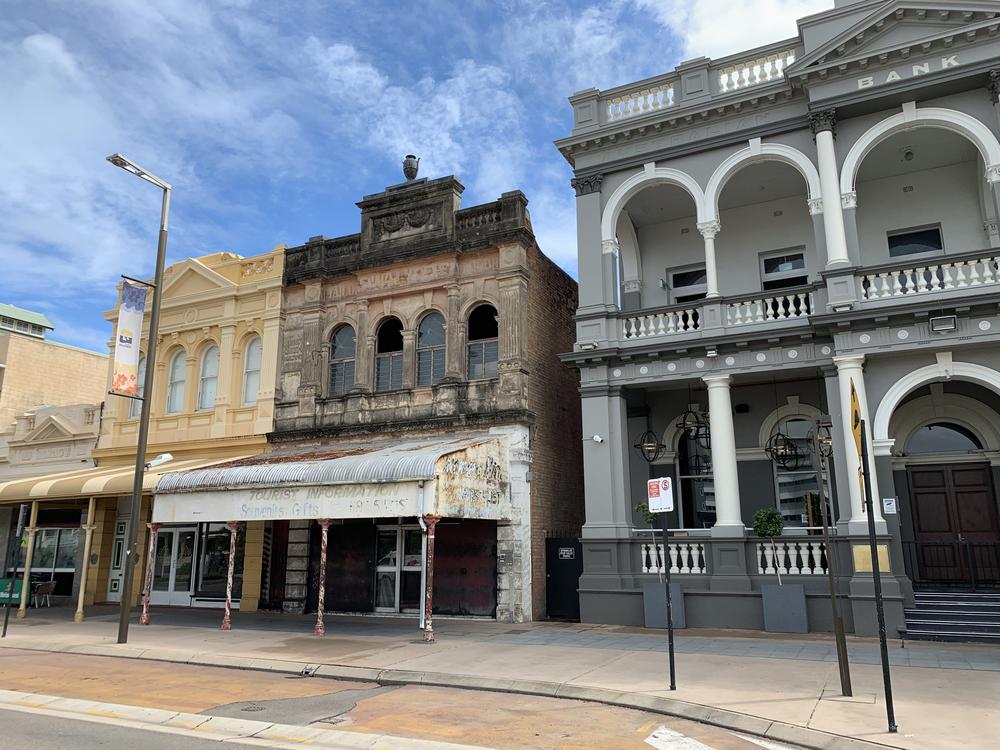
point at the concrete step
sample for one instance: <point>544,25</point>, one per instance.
<point>924,625</point>
<point>951,616</point>
<point>953,637</point>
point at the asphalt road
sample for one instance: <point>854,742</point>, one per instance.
<point>37,732</point>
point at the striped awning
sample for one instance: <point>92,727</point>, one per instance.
<point>95,480</point>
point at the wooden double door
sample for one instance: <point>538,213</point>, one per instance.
<point>955,524</point>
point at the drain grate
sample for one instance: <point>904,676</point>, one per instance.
<point>252,707</point>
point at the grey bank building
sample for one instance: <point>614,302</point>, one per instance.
<point>754,234</point>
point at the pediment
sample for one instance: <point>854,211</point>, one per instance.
<point>52,428</point>
<point>192,277</point>
<point>902,29</point>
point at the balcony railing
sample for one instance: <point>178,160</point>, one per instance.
<point>796,557</point>
<point>661,323</point>
<point>686,558</point>
<point>757,70</point>
<point>941,275</point>
<point>793,304</point>
<point>639,102</point>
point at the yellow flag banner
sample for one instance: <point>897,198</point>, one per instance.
<point>856,418</point>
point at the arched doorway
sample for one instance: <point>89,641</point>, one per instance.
<point>945,439</point>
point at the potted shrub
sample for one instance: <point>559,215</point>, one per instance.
<point>784,603</point>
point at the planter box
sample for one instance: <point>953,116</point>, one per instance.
<point>654,604</point>
<point>785,608</point>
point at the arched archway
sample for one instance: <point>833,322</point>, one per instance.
<point>915,117</point>
<point>944,369</point>
<point>619,226</point>
<point>755,153</point>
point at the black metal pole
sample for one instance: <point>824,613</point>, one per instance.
<point>831,565</point>
<point>877,580</point>
<point>670,614</point>
<point>13,559</point>
<point>135,507</point>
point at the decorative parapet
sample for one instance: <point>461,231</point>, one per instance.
<point>755,71</point>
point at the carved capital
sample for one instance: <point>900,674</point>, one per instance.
<point>588,184</point>
<point>815,206</point>
<point>991,227</point>
<point>609,247</point>
<point>825,120</point>
<point>849,200</point>
<point>993,85</point>
<point>993,173</point>
<point>709,229</point>
<point>632,285</point>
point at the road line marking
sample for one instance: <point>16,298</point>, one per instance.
<point>668,739</point>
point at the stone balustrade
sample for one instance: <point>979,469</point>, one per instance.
<point>746,73</point>
<point>764,309</point>
<point>639,101</point>
<point>660,323</point>
<point>791,556</point>
<point>686,557</point>
<point>937,275</point>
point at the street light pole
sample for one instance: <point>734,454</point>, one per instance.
<point>135,507</point>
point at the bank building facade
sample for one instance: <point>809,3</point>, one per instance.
<point>756,234</point>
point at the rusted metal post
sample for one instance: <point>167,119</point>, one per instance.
<point>324,525</point>
<point>88,539</point>
<point>233,527</point>
<point>29,552</point>
<point>431,522</point>
<point>150,562</point>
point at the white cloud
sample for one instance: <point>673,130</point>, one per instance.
<point>716,28</point>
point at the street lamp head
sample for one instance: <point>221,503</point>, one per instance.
<point>123,162</point>
<point>159,460</point>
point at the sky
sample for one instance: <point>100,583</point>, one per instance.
<point>271,119</point>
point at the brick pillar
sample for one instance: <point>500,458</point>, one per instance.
<point>297,567</point>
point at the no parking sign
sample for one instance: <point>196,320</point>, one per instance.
<point>660,494</point>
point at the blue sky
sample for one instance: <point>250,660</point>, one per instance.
<point>272,118</point>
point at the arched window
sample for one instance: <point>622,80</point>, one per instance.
<point>940,437</point>
<point>389,356</point>
<point>430,349</point>
<point>343,347</point>
<point>694,459</point>
<point>135,404</point>
<point>483,343</point>
<point>251,371</point>
<point>175,383</point>
<point>796,481</point>
<point>209,379</point>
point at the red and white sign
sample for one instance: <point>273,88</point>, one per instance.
<point>660,493</point>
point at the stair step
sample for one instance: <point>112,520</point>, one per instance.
<point>957,596</point>
<point>940,635</point>
<point>914,626</point>
<point>950,616</point>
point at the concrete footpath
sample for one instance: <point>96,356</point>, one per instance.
<point>788,689</point>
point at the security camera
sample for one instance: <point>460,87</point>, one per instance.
<point>597,439</point>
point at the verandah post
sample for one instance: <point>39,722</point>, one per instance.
<point>233,527</point>
<point>324,525</point>
<point>150,562</point>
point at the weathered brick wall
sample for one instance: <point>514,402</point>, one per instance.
<point>44,372</point>
<point>553,396</point>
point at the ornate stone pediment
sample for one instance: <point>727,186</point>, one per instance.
<point>191,277</point>
<point>406,222</point>
<point>908,38</point>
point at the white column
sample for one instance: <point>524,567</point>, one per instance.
<point>829,179</point>
<point>728,517</point>
<point>708,230</point>
<point>851,369</point>
<point>609,274</point>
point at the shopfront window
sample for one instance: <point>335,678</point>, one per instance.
<point>695,473</point>
<point>54,557</point>
<point>214,563</point>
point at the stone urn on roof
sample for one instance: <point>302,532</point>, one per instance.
<point>411,164</point>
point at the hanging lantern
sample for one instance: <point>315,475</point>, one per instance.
<point>819,436</point>
<point>698,465</point>
<point>783,451</point>
<point>694,425</point>
<point>649,446</point>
